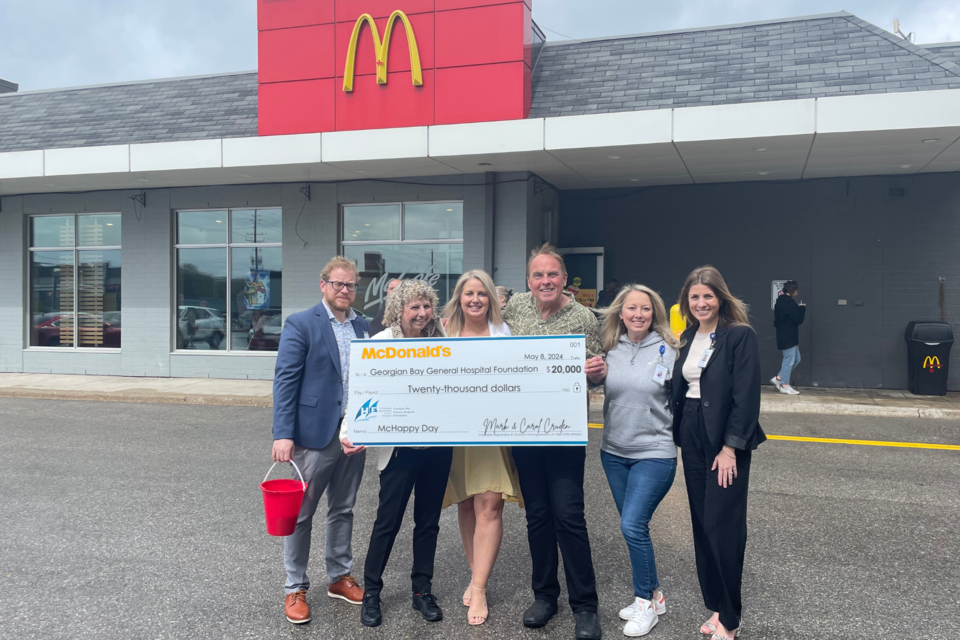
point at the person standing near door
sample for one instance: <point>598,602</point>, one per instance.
<point>716,410</point>
<point>309,402</point>
<point>787,318</point>
<point>551,478</point>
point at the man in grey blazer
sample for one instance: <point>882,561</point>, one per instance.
<point>309,401</point>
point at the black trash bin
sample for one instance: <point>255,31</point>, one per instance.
<point>928,357</point>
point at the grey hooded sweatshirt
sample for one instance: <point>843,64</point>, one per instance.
<point>637,420</point>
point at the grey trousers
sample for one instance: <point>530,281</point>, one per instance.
<point>330,470</point>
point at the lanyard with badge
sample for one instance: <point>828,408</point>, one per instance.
<point>705,358</point>
<point>660,373</point>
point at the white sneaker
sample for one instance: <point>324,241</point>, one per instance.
<point>644,619</point>
<point>777,383</point>
<point>660,606</point>
<point>790,391</point>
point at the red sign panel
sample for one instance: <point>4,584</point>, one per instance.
<point>413,63</point>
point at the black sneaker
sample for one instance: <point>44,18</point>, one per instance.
<point>539,614</point>
<point>588,626</point>
<point>370,614</point>
<point>426,603</point>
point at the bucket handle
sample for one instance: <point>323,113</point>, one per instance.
<point>295,467</point>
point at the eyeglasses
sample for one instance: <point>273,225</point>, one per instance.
<point>337,286</point>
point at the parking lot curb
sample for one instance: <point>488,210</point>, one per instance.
<point>140,397</point>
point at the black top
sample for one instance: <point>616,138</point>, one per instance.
<point>376,325</point>
<point>787,318</point>
<point>729,389</point>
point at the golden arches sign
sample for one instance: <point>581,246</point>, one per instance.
<point>930,362</point>
<point>382,49</point>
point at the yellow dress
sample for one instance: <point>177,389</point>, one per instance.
<point>476,470</point>
<point>479,469</point>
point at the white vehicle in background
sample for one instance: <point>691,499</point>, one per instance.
<point>207,324</point>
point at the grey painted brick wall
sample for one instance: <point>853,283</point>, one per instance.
<point>11,285</point>
<point>839,238</point>
<point>310,238</point>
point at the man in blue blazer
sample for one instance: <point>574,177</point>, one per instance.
<point>309,401</point>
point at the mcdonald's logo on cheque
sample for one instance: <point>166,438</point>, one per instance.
<point>931,362</point>
<point>382,49</point>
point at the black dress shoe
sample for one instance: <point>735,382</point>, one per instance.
<point>539,614</point>
<point>426,603</point>
<point>588,626</point>
<point>370,611</point>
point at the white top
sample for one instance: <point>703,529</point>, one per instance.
<point>691,369</point>
<point>384,453</point>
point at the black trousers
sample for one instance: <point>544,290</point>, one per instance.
<point>551,479</point>
<point>719,517</point>
<point>424,471</point>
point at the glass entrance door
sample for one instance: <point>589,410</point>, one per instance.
<point>584,273</point>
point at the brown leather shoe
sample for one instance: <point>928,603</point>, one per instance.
<point>296,607</point>
<point>346,588</point>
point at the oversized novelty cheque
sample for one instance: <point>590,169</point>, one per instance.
<point>509,391</point>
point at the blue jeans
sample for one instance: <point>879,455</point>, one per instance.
<point>791,358</point>
<point>638,486</point>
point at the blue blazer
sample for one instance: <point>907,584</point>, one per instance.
<point>307,393</point>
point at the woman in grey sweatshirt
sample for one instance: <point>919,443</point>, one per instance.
<point>638,453</point>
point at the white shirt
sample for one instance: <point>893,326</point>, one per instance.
<point>691,366</point>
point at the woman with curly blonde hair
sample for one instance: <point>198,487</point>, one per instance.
<point>404,470</point>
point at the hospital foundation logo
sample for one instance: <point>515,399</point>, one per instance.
<point>368,411</point>
<point>930,363</point>
<point>382,49</point>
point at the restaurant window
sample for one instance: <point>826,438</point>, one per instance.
<point>74,285</point>
<point>229,280</point>
<point>422,240</point>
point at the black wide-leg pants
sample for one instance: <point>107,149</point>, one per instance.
<point>551,479</point>
<point>424,471</point>
<point>719,517</point>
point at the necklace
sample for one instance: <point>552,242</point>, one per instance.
<point>635,346</point>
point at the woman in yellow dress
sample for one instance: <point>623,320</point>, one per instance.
<point>481,478</point>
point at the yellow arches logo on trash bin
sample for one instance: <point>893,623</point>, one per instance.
<point>382,49</point>
<point>930,363</point>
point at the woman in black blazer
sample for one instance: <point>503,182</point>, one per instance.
<point>716,407</point>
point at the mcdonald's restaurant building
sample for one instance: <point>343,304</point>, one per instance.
<point>167,227</point>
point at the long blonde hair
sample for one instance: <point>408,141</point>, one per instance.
<point>406,291</point>
<point>733,311</point>
<point>453,312</point>
<point>613,327</point>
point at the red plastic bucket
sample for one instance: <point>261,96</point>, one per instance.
<point>281,502</point>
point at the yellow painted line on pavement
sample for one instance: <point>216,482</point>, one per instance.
<point>869,443</point>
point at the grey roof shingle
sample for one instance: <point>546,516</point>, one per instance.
<point>222,106</point>
<point>817,56</point>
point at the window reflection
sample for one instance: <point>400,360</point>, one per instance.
<point>52,231</point>
<point>433,221</point>
<point>256,225</point>
<point>202,299</point>
<point>438,264</point>
<point>371,222</point>
<point>256,287</point>
<point>51,298</point>
<point>98,292</point>
<point>202,227</point>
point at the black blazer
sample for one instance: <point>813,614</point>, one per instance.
<point>729,390</point>
<point>787,317</point>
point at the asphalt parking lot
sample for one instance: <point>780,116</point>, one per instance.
<point>145,521</point>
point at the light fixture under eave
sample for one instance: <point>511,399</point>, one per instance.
<point>928,140</point>
<point>763,173</point>
<point>613,157</point>
<point>634,179</point>
<point>218,221</point>
<point>905,166</point>
<point>761,149</point>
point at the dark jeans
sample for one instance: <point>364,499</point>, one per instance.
<point>719,517</point>
<point>638,487</point>
<point>551,479</point>
<point>425,470</point>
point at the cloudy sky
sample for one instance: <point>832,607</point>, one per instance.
<point>61,43</point>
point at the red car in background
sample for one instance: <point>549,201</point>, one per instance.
<point>46,330</point>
